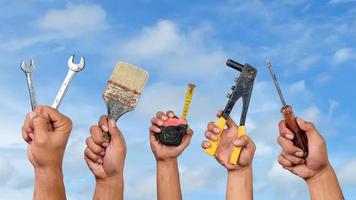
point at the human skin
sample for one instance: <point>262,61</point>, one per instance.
<point>168,183</point>
<point>106,159</point>
<point>239,185</point>
<point>47,131</point>
<point>315,169</point>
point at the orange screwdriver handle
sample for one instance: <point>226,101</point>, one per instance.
<point>300,138</point>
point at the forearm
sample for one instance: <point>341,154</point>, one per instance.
<point>168,184</point>
<point>239,184</point>
<point>49,185</point>
<point>325,186</point>
<point>109,189</point>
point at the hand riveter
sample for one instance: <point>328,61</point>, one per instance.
<point>242,89</point>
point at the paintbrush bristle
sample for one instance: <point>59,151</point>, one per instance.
<point>129,76</point>
<point>124,88</point>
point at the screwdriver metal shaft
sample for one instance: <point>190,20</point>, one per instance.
<point>269,65</point>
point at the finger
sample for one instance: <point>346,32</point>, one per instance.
<point>241,141</point>
<point>94,147</point>
<point>90,163</point>
<point>161,115</point>
<point>288,147</point>
<point>211,136</point>
<point>299,169</point>
<point>39,123</point>
<point>97,134</point>
<point>27,124</point>
<point>92,156</point>
<point>306,126</point>
<point>157,121</point>
<point>114,130</point>
<point>186,140</point>
<point>213,128</point>
<point>284,131</point>
<point>284,162</point>
<point>26,137</point>
<point>57,119</point>
<point>155,129</point>
<point>205,144</point>
<point>103,123</point>
<point>231,124</point>
<point>293,159</point>
<point>170,114</point>
<point>219,114</point>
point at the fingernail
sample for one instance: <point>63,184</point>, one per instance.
<point>289,136</point>
<point>299,153</point>
<point>31,135</point>
<point>216,130</point>
<point>237,142</point>
<point>164,118</point>
<point>105,128</point>
<point>112,123</point>
<point>100,160</point>
<point>214,137</point>
<point>32,115</point>
<point>105,144</point>
<point>102,153</point>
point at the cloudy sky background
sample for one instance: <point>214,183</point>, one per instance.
<point>310,43</point>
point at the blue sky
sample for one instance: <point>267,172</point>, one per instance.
<point>310,43</point>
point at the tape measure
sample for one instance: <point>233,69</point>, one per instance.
<point>188,100</point>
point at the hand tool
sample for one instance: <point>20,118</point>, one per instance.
<point>28,69</point>
<point>123,90</point>
<point>300,138</point>
<point>72,70</point>
<point>242,89</point>
<point>174,129</point>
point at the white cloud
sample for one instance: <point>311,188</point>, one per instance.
<point>263,149</point>
<point>347,173</point>
<point>341,1</point>
<point>297,87</point>
<point>176,53</point>
<point>74,20</point>
<point>6,170</point>
<point>285,184</point>
<point>342,55</point>
<point>312,114</point>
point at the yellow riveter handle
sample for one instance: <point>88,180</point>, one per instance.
<point>214,144</point>
<point>237,150</point>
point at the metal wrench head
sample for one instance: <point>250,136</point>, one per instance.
<point>27,68</point>
<point>76,67</point>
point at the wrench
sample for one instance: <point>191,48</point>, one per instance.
<point>28,69</point>
<point>72,70</point>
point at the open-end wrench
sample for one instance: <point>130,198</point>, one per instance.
<point>72,70</point>
<point>28,69</point>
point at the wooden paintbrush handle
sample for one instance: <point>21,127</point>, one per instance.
<point>300,138</point>
<point>107,136</point>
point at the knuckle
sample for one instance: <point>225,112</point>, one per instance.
<point>279,140</point>
<point>87,141</point>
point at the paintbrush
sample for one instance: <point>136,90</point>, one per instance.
<point>123,90</point>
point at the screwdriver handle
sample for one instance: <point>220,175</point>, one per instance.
<point>214,144</point>
<point>300,138</point>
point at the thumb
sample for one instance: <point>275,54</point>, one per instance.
<point>306,126</point>
<point>39,124</point>
<point>230,123</point>
<point>114,131</point>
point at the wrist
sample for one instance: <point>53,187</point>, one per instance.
<point>47,173</point>
<point>112,180</point>
<point>245,171</point>
<point>324,173</point>
<point>166,160</point>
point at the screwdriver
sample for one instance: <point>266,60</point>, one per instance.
<point>300,138</point>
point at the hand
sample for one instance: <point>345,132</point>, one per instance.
<point>291,157</point>
<point>46,131</point>
<point>164,152</point>
<point>106,159</point>
<point>228,141</point>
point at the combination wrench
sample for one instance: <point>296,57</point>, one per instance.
<point>28,69</point>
